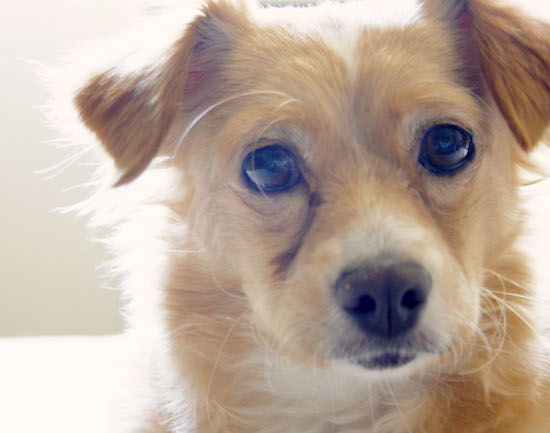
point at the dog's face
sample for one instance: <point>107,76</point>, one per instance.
<point>355,178</point>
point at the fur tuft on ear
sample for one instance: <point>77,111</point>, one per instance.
<point>131,108</point>
<point>513,55</point>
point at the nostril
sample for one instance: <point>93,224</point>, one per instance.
<point>365,305</point>
<point>413,299</point>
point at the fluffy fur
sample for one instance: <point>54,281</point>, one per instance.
<point>231,291</point>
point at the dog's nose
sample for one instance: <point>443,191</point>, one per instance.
<point>385,300</point>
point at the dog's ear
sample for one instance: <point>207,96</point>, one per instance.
<point>130,109</point>
<point>511,52</point>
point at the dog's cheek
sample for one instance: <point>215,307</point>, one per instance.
<point>460,228</point>
<point>252,231</point>
<point>473,211</point>
<point>261,242</point>
<point>475,221</point>
<point>273,235</point>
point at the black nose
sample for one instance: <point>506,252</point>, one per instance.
<point>385,300</point>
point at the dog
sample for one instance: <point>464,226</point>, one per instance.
<point>318,217</point>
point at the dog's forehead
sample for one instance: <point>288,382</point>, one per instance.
<point>340,25</point>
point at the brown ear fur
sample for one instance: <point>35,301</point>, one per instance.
<point>131,112</point>
<point>513,52</point>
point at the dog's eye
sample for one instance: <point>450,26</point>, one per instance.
<point>271,169</point>
<point>445,148</point>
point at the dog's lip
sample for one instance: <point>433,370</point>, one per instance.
<point>386,360</point>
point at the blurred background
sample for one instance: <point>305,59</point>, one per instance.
<point>49,278</point>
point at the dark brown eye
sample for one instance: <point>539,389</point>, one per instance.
<point>446,148</point>
<point>271,169</point>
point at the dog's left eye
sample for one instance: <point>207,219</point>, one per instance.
<point>446,148</point>
<point>271,169</point>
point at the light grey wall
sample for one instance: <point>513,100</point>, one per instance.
<point>49,283</point>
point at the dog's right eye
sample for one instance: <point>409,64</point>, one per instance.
<point>271,169</point>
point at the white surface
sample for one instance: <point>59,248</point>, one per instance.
<point>61,384</point>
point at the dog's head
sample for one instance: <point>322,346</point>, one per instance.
<point>357,177</point>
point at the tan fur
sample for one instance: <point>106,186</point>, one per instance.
<point>231,290</point>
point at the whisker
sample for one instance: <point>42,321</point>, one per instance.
<point>504,278</point>
<point>506,303</point>
<point>480,340</point>
<point>514,295</point>
<point>224,291</point>
<point>371,404</point>
<point>498,318</point>
<point>56,169</point>
<point>492,351</point>
<point>401,414</point>
<point>217,362</point>
<point>176,251</point>
<point>514,310</point>
<point>80,186</point>
<point>219,103</point>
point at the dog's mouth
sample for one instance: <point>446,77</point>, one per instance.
<point>380,355</point>
<point>385,361</point>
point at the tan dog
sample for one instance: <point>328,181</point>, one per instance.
<point>318,217</point>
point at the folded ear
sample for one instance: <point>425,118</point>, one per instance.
<point>130,108</point>
<point>512,52</point>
